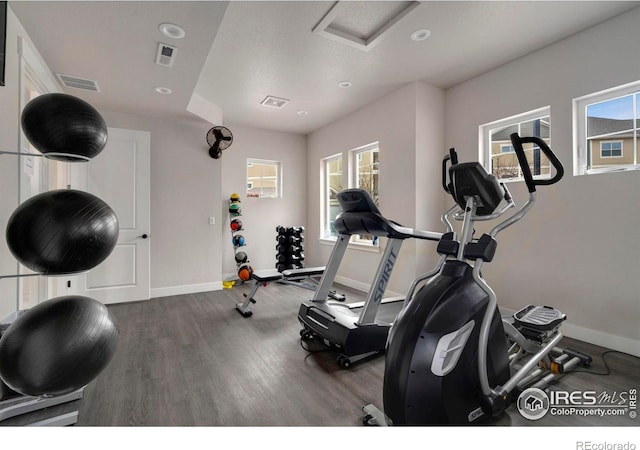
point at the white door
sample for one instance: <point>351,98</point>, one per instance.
<point>119,175</point>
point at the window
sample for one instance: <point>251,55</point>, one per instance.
<point>496,150</point>
<point>607,129</point>
<point>612,149</point>
<point>332,184</point>
<point>364,175</point>
<point>264,178</point>
<point>506,148</point>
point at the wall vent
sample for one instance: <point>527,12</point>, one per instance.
<point>166,55</point>
<point>78,83</point>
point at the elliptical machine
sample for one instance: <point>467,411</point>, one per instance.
<point>450,357</point>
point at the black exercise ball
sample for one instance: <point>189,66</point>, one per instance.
<point>57,346</point>
<point>64,127</point>
<point>62,231</point>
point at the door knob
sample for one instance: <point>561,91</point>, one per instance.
<point>144,236</point>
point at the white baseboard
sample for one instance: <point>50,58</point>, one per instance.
<point>186,289</point>
<point>360,286</point>
<point>595,337</point>
<point>610,341</point>
<point>364,287</point>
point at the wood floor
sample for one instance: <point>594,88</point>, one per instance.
<point>192,360</point>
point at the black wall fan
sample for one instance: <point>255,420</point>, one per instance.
<point>219,138</point>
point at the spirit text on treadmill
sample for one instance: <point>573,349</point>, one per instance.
<point>384,279</point>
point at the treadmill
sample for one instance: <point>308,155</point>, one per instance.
<point>357,330</point>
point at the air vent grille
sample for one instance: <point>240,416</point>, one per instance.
<point>78,83</point>
<point>274,102</point>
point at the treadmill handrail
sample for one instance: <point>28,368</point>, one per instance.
<point>360,215</point>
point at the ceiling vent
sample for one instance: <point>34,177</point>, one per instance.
<point>274,102</point>
<point>78,83</point>
<point>166,55</point>
<point>363,25</point>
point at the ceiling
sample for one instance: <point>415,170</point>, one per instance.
<point>236,53</point>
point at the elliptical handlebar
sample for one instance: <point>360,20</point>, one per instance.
<point>453,157</point>
<point>517,142</point>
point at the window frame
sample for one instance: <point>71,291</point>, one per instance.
<point>350,180</point>
<point>355,157</point>
<point>325,213</point>
<point>580,119</point>
<point>484,137</point>
<point>252,162</point>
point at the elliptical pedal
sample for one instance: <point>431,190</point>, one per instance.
<point>538,323</point>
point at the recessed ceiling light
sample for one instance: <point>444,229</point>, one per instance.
<point>345,84</point>
<point>302,113</point>
<point>420,35</point>
<point>171,30</point>
<point>162,90</point>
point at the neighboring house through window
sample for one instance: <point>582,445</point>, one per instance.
<point>332,184</point>
<point>363,173</point>
<point>264,178</point>
<point>607,130</point>
<point>496,150</point>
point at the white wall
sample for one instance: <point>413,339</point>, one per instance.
<point>12,166</point>
<point>9,165</point>
<point>430,150</point>
<point>578,249</point>
<point>185,192</point>
<point>260,216</point>
<point>392,121</point>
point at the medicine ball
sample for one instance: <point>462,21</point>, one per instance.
<point>64,127</point>
<point>235,209</point>
<point>234,197</point>
<point>238,241</point>
<point>236,225</point>
<point>58,346</point>
<point>244,272</point>
<point>62,231</point>
<point>241,257</point>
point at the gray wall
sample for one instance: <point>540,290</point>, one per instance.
<point>9,165</point>
<point>406,155</point>
<point>185,188</point>
<point>260,216</point>
<point>578,249</point>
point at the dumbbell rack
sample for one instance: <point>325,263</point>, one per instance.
<point>289,248</point>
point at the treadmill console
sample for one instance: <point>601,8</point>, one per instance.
<point>356,200</point>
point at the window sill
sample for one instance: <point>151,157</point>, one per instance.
<point>352,245</point>
<point>617,169</point>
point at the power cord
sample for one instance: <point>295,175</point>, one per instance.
<point>604,362</point>
<point>307,349</point>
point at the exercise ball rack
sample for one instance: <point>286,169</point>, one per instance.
<point>57,137</point>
